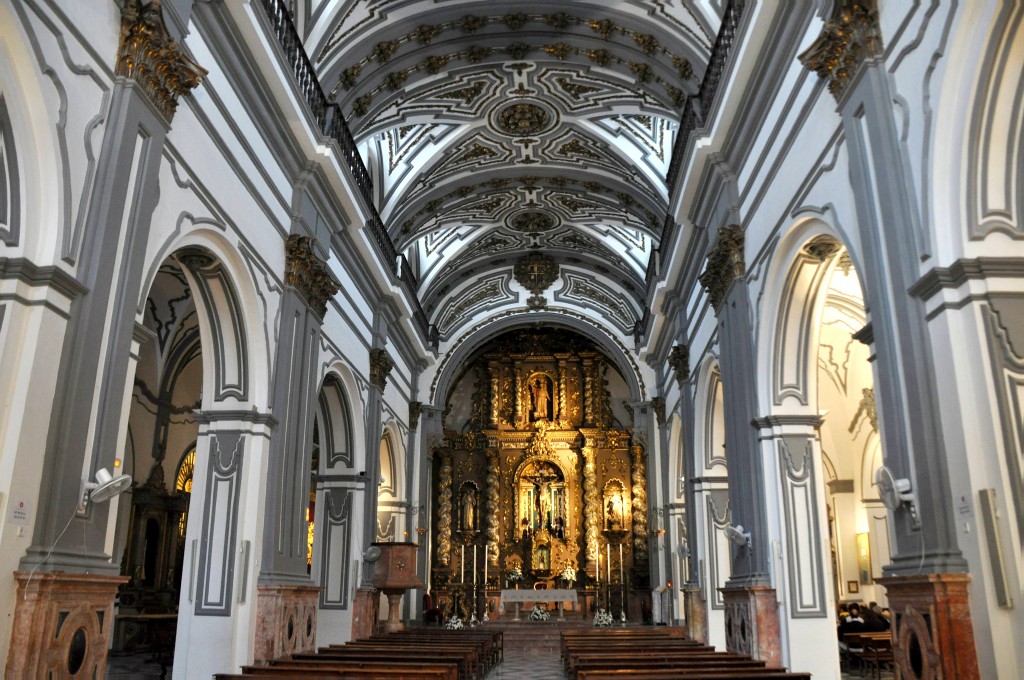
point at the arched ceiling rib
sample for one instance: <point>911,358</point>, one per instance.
<point>537,128</point>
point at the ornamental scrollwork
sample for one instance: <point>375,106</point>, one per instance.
<point>536,272</point>
<point>444,511</point>
<point>639,475</point>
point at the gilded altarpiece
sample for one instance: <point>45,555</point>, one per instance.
<point>541,478</point>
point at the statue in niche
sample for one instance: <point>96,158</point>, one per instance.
<point>541,501</point>
<point>469,508</point>
<point>540,393</point>
<point>614,516</point>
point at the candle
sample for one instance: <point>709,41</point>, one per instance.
<point>620,564</point>
<point>608,560</point>
<point>462,566</point>
<point>474,564</point>
<point>597,572</point>
<point>485,568</point>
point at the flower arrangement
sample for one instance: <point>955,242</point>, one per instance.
<point>516,575</point>
<point>602,619</point>
<point>568,574</point>
<point>538,614</point>
<point>454,623</point>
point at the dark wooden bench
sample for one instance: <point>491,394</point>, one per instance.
<point>608,654</point>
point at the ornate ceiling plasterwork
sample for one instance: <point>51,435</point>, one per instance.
<point>499,134</point>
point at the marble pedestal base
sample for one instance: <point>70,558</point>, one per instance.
<point>62,625</point>
<point>933,636</point>
<point>285,620</point>
<point>365,610</point>
<point>696,613</point>
<point>752,622</point>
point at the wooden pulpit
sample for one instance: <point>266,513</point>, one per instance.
<point>394,572</point>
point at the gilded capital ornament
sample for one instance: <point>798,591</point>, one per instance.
<point>308,274</point>
<point>149,56</point>
<point>415,410</point>
<point>658,405</point>
<point>679,361</point>
<point>850,37</point>
<point>822,248</point>
<point>725,264</point>
<point>381,364</point>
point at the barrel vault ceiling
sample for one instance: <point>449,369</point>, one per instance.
<point>518,149</point>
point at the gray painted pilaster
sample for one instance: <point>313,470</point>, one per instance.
<point>687,412</point>
<point>291,445</point>
<point>889,223</point>
<point>93,373</point>
<point>747,502</point>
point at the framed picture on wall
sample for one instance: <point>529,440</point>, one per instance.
<point>864,558</point>
<point>852,587</point>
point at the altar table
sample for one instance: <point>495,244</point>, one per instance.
<point>550,596</point>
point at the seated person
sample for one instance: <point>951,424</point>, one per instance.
<point>874,622</point>
<point>853,623</point>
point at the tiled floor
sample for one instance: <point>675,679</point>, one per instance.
<point>524,664</point>
<point>135,667</point>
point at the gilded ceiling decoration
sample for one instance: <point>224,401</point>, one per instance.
<point>498,137</point>
<point>532,222</point>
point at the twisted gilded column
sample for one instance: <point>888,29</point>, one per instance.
<point>444,511</point>
<point>591,506</point>
<point>492,507</point>
<point>639,504</point>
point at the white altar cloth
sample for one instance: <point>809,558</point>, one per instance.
<point>538,596</point>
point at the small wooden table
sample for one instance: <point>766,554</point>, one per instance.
<point>550,596</point>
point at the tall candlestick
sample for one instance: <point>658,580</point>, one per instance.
<point>462,566</point>
<point>608,560</point>
<point>620,564</point>
<point>474,564</point>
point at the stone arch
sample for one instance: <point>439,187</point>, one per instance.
<point>791,311</point>
<point>45,202</point>
<point>709,430</point>
<point>228,303</point>
<point>391,485</point>
<point>463,348</point>
<point>980,98</point>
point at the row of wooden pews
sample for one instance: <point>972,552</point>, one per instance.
<point>413,654</point>
<point>656,654</point>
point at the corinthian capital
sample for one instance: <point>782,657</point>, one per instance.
<point>381,364</point>
<point>150,56</point>
<point>725,263</point>
<point>308,274</point>
<point>850,36</point>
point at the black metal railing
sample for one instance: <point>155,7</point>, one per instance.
<point>331,122</point>
<point>696,110</point>
<point>720,52</point>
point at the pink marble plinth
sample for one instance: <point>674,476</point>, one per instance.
<point>696,613</point>
<point>62,625</point>
<point>932,632</point>
<point>285,620</point>
<point>365,609</point>
<point>752,622</point>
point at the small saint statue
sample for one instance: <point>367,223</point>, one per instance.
<point>541,397</point>
<point>469,509</point>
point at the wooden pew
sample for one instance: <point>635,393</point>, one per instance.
<point>607,654</point>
